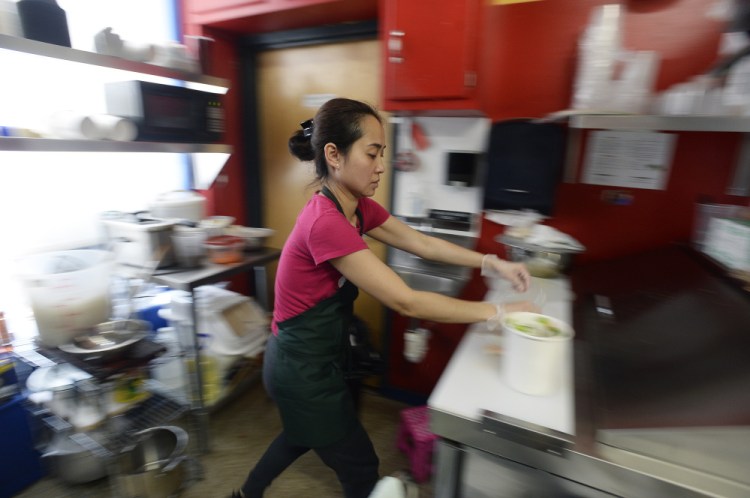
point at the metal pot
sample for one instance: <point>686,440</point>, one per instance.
<point>77,458</point>
<point>542,262</point>
<point>154,466</point>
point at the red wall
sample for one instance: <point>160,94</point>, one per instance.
<point>528,68</point>
<point>528,64</point>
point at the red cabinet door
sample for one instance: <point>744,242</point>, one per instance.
<point>430,49</point>
<point>202,6</point>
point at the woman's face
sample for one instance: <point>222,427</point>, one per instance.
<point>359,171</point>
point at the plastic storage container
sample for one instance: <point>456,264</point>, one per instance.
<point>68,290</point>
<point>531,363</point>
<point>225,249</point>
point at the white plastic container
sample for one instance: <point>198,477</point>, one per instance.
<point>533,364</point>
<point>145,243</point>
<point>68,291</point>
<point>179,204</point>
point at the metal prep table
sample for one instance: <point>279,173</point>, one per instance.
<point>189,280</point>
<point>495,442</point>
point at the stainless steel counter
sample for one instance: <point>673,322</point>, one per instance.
<point>498,443</point>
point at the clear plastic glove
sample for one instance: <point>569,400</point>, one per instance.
<point>516,273</point>
<point>494,323</point>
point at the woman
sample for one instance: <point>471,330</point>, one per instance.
<point>323,263</point>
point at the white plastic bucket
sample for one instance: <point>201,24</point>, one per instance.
<point>532,364</point>
<point>68,292</point>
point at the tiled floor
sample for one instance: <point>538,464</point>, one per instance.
<point>240,432</point>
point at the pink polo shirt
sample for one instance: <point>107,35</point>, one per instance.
<point>304,276</point>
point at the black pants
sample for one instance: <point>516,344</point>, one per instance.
<point>353,458</point>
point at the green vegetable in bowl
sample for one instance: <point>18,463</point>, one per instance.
<point>537,326</point>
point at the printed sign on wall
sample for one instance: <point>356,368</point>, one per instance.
<point>629,159</point>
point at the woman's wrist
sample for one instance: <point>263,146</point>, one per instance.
<point>495,321</point>
<point>487,268</point>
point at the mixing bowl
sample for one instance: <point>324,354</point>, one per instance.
<point>542,262</point>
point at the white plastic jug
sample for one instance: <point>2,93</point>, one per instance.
<point>68,291</point>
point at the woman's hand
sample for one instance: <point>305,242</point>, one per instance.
<point>516,273</point>
<point>495,322</point>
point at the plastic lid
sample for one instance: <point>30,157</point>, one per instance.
<point>224,240</point>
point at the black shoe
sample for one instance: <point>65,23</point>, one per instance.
<point>236,494</point>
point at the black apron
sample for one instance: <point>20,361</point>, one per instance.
<point>309,371</point>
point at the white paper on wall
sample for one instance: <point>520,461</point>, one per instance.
<point>629,159</point>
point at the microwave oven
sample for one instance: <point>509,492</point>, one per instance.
<point>167,113</point>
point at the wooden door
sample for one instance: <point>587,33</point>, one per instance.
<point>290,82</point>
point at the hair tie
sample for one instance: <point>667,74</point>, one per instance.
<point>307,127</point>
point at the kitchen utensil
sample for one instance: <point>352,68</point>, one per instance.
<point>154,465</point>
<point>68,290</point>
<point>77,458</point>
<point>254,237</point>
<point>544,262</point>
<point>534,349</point>
<point>109,340</point>
<point>53,377</point>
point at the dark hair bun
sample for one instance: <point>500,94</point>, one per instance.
<point>300,146</point>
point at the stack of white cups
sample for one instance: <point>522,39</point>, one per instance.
<point>73,125</point>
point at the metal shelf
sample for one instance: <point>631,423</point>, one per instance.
<point>55,145</point>
<point>665,123</point>
<point>188,280</point>
<point>33,47</point>
<point>740,182</point>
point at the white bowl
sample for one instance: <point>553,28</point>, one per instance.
<point>254,237</point>
<point>215,225</point>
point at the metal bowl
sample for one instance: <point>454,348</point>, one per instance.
<point>154,465</point>
<point>542,262</point>
<point>109,340</point>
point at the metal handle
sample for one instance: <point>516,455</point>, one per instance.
<point>395,46</point>
<point>526,433</point>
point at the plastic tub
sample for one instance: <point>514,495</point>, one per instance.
<point>224,249</point>
<point>68,291</point>
<point>189,246</point>
<point>532,364</point>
